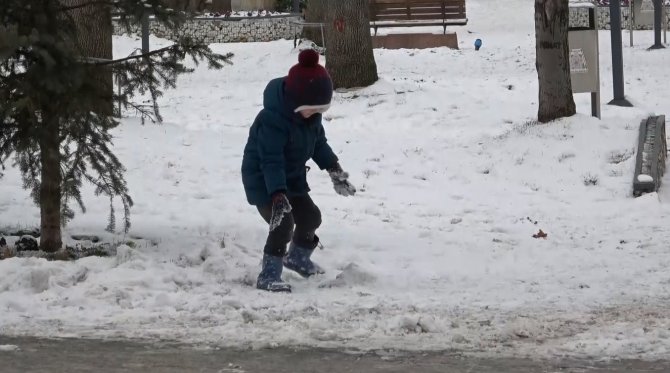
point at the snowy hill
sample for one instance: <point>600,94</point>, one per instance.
<point>435,252</point>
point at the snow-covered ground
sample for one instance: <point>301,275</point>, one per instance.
<point>435,252</point>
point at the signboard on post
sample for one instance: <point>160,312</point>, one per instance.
<point>584,59</point>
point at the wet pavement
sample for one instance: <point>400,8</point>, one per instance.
<point>27,355</point>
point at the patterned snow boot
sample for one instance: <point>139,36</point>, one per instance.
<point>270,277</point>
<point>298,260</point>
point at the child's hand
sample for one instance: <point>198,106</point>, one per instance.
<point>341,182</point>
<point>280,207</point>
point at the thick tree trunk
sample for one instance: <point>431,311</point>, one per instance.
<point>349,57</point>
<point>94,38</point>
<point>314,13</point>
<point>50,186</point>
<point>197,5</point>
<point>553,60</point>
<point>220,6</point>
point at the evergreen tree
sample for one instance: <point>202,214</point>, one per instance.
<point>49,93</point>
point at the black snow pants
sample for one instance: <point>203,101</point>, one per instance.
<point>306,218</point>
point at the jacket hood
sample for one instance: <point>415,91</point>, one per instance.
<point>276,100</point>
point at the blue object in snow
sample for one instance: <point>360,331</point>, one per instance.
<point>478,44</point>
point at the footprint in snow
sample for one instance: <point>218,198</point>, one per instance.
<point>202,196</point>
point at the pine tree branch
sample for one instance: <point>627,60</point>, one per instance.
<point>101,62</point>
<point>144,113</point>
<point>175,47</point>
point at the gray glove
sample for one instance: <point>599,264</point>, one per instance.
<point>280,207</point>
<point>341,182</point>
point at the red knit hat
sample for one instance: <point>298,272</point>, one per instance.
<point>308,84</point>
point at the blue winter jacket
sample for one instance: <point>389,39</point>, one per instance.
<point>280,143</point>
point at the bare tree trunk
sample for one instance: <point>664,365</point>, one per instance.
<point>50,186</point>
<point>94,38</point>
<point>553,60</point>
<point>315,13</point>
<point>349,57</point>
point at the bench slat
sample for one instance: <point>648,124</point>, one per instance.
<point>420,17</point>
<point>439,7</point>
<point>412,2</point>
<point>436,15</point>
<point>451,22</point>
<point>437,12</point>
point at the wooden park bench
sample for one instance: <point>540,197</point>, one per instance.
<point>406,13</point>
